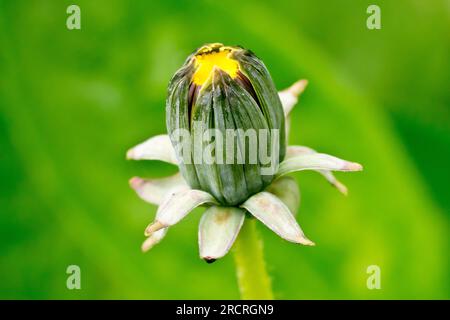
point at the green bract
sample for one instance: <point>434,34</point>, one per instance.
<point>226,123</point>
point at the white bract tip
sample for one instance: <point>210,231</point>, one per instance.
<point>316,161</point>
<point>294,151</point>
<point>153,227</point>
<point>219,227</point>
<point>155,190</point>
<point>289,96</point>
<point>276,216</point>
<point>156,148</point>
<point>153,239</point>
<point>176,206</point>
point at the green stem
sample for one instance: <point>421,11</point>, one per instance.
<point>253,280</point>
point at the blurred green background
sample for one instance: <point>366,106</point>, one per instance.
<point>72,103</point>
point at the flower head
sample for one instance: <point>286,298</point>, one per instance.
<point>219,100</point>
<point>224,97</point>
